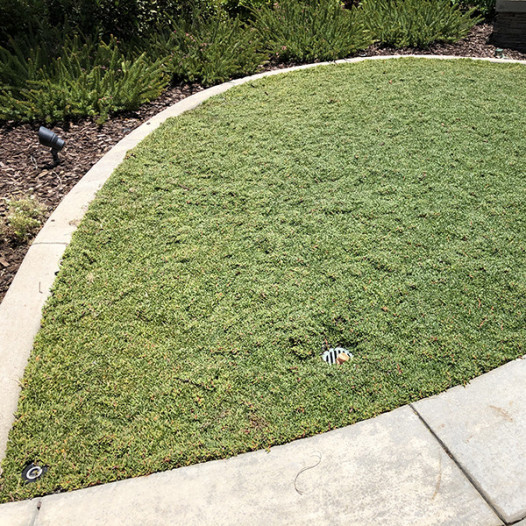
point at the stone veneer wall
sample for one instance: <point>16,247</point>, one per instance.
<point>510,24</point>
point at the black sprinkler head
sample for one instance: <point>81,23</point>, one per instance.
<point>51,140</point>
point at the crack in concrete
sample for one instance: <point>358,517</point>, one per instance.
<point>34,520</point>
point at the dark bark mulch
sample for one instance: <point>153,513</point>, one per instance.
<point>476,44</point>
<point>27,169</point>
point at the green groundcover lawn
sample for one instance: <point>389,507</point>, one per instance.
<point>377,206</point>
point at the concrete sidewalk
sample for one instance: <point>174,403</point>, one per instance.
<point>456,458</point>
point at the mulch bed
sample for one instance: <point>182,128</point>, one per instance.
<point>27,169</point>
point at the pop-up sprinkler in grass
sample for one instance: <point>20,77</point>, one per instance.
<point>51,140</point>
<point>336,355</point>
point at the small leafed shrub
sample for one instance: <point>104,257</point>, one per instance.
<point>86,80</point>
<point>123,18</point>
<point>23,219</point>
<point>244,7</point>
<point>311,30</point>
<point>416,23</point>
<point>207,49</point>
<point>484,7</point>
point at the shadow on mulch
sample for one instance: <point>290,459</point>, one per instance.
<point>26,167</point>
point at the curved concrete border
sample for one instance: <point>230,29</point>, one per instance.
<point>20,311</point>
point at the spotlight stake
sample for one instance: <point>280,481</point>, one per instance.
<point>51,140</point>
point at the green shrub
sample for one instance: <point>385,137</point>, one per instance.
<point>207,49</point>
<point>98,18</point>
<point>138,17</point>
<point>86,80</point>
<point>484,7</point>
<point>244,7</point>
<point>15,19</point>
<point>23,220</point>
<point>311,30</point>
<point>416,23</point>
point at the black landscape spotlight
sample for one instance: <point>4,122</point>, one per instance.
<point>51,140</point>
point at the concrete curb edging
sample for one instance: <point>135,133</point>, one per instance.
<point>20,311</point>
